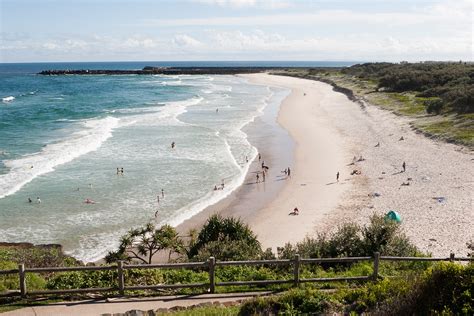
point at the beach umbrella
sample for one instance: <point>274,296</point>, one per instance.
<point>393,216</point>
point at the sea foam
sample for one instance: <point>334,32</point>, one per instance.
<point>8,99</point>
<point>28,167</point>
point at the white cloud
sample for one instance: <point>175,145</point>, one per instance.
<point>267,4</point>
<point>232,3</point>
<point>186,41</point>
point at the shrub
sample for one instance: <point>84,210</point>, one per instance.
<point>292,302</point>
<point>434,106</point>
<point>446,288</point>
<point>36,256</point>
<point>81,280</point>
<point>352,240</point>
<point>225,239</point>
<point>384,236</point>
<point>11,282</point>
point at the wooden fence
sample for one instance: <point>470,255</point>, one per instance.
<point>211,266</point>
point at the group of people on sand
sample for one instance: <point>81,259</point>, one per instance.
<point>287,172</point>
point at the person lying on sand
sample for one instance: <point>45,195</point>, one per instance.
<point>295,212</point>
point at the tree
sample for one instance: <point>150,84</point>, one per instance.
<point>226,239</point>
<point>143,243</point>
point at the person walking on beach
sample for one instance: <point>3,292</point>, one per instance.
<point>162,193</point>
<point>158,199</point>
<point>258,178</point>
<point>404,166</point>
<point>289,172</point>
<point>259,157</point>
<point>337,176</point>
<point>263,176</point>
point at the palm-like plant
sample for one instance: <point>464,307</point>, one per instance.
<point>143,243</point>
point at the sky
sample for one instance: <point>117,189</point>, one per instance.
<point>191,30</point>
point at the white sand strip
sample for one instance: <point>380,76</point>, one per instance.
<point>329,130</point>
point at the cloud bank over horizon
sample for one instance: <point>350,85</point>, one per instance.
<point>114,30</point>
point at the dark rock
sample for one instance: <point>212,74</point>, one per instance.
<point>177,308</point>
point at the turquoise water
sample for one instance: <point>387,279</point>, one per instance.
<point>62,138</point>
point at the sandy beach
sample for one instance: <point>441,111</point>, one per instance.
<point>434,195</point>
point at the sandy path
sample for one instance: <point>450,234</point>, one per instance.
<point>329,130</point>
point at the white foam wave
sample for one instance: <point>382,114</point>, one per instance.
<point>8,99</point>
<point>212,197</point>
<point>25,169</point>
<point>163,115</point>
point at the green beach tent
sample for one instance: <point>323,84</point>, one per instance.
<point>393,216</point>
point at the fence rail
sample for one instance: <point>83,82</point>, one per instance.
<point>211,265</point>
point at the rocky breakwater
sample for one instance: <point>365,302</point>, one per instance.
<point>149,70</point>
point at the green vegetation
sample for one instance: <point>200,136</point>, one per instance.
<point>417,287</point>
<point>439,97</point>
<point>351,240</point>
<point>143,243</point>
<point>35,256</point>
<point>444,289</point>
<point>225,239</point>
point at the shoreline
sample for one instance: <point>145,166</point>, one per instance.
<point>254,204</point>
<point>329,130</point>
<point>245,200</point>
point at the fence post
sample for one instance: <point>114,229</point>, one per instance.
<point>375,275</point>
<point>451,257</point>
<point>212,274</point>
<point>296,270</point>
<point>22,274</point>
<point>121,279</point>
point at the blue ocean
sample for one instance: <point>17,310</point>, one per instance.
<point>62,139</point>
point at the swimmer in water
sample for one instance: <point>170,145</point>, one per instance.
<point>89,201</point>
